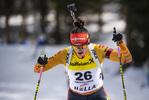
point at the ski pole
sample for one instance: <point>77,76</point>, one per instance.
<point>38,82</point>
<point>121,69</point>
<point>72,9</point>
<point>42,66</point>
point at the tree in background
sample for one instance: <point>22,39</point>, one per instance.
<point>43,7</point>
<point>24,10</point>
<point>82,6</point>
<point>7,10</point>
<point>91,7</point>
<point>43,10</point>
<point>137,19</point>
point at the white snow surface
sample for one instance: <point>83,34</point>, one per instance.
<point>18,80</point>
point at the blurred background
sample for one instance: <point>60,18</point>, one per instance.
<point>29,28</point>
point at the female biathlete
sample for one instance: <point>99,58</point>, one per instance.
<point>83,62</point>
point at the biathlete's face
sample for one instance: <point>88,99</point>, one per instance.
<point>79,43</point>
<point>80,49</point>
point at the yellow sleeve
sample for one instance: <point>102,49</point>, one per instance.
<point>58,58</point>
<point>106,52</point>
<point>125,54</point>
<point>114,56</point>
<point>101,52</point>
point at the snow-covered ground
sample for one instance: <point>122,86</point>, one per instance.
<point>18,81</point>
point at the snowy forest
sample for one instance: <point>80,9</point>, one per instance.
<point>23,22</point>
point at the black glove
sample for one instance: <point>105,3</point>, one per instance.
<point>42,60</point>
<point>117,37</point>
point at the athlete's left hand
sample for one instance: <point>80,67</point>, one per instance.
<point>117,37</point>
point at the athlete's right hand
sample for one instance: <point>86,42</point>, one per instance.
<point>42,59</point>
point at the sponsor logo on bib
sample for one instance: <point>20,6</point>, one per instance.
<point>82,63</point>
<point>84,87</point>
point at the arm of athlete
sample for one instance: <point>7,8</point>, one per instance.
<point>125,54</point>
<point>106,52</point>
<point>58,58</point>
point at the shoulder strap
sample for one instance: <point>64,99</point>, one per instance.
<point>92,52</point>
<point>69,56</point>
<point>94,55</point>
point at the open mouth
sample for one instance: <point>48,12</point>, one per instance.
<point>80,53</point>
